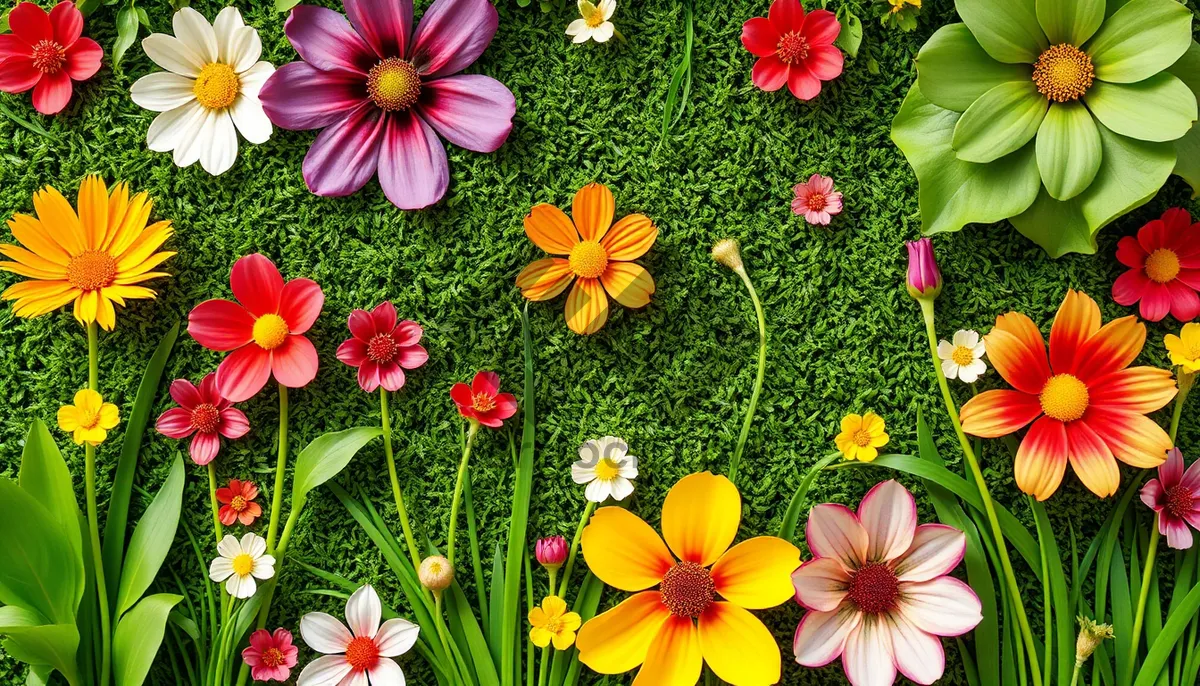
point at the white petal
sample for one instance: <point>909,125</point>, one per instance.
<point>251,120</point>
<point>935,551</point>
<point>628,471</point>
<point>190,148</point>
<point>264,567</point>
<point>324,671</point>
<point>889,514</point>
<point>254,545</point>
<point>597,491</point>
<point>324,633</point>
<point>603,32</point>
<point>918,655</point>
<point>220,154</point>
<point>226,25</point>
<point>972,338</point>
<point>241,586</point>
<point>171,54</point>
<point>354,679</point>
<point>821,636</point>
<point>621,488</point>
<point>386,673</point>
<point>396,637</point>
<point>589,452</point>
<point>363,611</point>
<point>608,7</point>
<point>220,569</point>
<point>949,369</point>
<point>245,49</point>
<point>577,27</point>
<point>944,606</point>
<point>162,91</point>
<point>582,473</point>
<point>972,372</point>
<point>960,338</point>
<point>229,547</point>
<point>252,79</point>
<point>980,349</point>
<point>583,36</point>
<point>170,129</point>
<point>195,32</point>
<point>613,448</point>
<point>867,658</point>
<point>945,350</point>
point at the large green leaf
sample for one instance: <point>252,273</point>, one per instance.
<point>1008,30</point>
<point>325,457</point>
<point>1160,649</point>
<point>1140,40</point>
<point>953,70</point>
<point>44,475</point>
<point>138,637</point>
<point>1188,164</point>
<point>30,639</point>
<point>954,193</point>
<point>40,570</point>
<point>519,521</point>
<point>1070,21</point>
<point>1068,150</point>
<point>1000,122</point>
<point>1161,108</point>
<point>151,541</point>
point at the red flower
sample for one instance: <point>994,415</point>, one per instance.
<point>483,402</point>
<point>45,52</point>
<point>793,48</point>
<point>265,331</point>
<point>238,503</point>
<point>381,348</point>
<point>270,656</point>
<point>204,415</point>
<point>1164,268</point>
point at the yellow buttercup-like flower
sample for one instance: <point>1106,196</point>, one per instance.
<point>1185,348</point>
<point>861,436</point>
<point>95,258</point>
<point>552,622</point>
<point>89,419</point>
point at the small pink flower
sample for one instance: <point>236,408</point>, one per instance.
<point>816,200</point>
<point>1175,496</point>
<point>270,656</point>
<point>552,551</point>
<point>483,402</point>
<point>46,53</point>
<point>382,349</point>
<point>203,414</point>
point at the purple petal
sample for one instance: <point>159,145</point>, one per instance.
<point>471,111</point>
<point>1154,495</point>
<point>1191,478</point>
<point>344,157</point>
<point>384,24</point>
<point>299,96</point>
<point>452,35</point>
<point>412,165</point>
<point>326,40</point>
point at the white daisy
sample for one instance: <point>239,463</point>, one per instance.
<point>606,468</point>
<point>361,653</point>
<point>209,92</point>
<point>594,22</point>
<point>241,562</point>
<point>963,358</point>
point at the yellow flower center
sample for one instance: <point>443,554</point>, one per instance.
<point>270,331</point>
<point>483,402</point>
<point>1162,265</point>
<point>687,589</point>
<point>238,503</point>
<point>362,653</point>
<point>217,86</point>
<point>553,624</point>
<point>1064,397</point>
<point>607,469</point>
<point>394,84</point>
<point>86,418</point>
<point>962,356</point>
<point>91,270</point>
<point>588,259</point>
<point>792,47</point>
<point>243,564</point>
<point>272,657</point>
<point>861,437</point>
<point>1063,73</point>
<point>592,15</point>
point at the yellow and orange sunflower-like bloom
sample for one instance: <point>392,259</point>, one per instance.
<point>95,258</point>
<point>593,253</point>
<point>1086,404</point>
<point>698,612</point>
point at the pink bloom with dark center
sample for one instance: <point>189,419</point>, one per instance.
<point>270,656</point>
<point>46,52</point>
<point>483,402</point>
<point>237,503</point>
<point>382,349</point>
<point>793,48</point>
<point>1164,268</point>
<point>383,93</point>
<point>816,200</point>
<point>205,415</point>
<point>1175,496</point>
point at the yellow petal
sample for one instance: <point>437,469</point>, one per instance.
<point>623,551</point>
<point>587,307</point>
<point>674,657</point>
<point>851,423</point>
<point>86,306</point>
<point>93,211</point>
<point>118,204</point>
<point>554,606</point>
<point>140,278</point>
<point>123,292</point>
<point>58,219</point>
<point>540,637</point>
<point>756,574</point>
<point>537,617</point>
<point>550,229</point>
<point>95,436</point>
<point>616,641</point>
<point>34,236</point>
<point>149,263</point>
<point>571,621</point>
<point>564,639</point>
<point>144,246</point>
<point>700,517</point>
<point>628,283</point>
<point>88,401</point>
<point>109,416</point>
<point>630,238</point>
<point>137,215</point>
<point>68,418</point>
<point>544,279</point>
<point>106,314</point>
<point>38,267</point>
<point>738,648</point>
<point>592,209</point>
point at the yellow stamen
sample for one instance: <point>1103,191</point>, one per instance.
<point>862,437</point>
<point>394,84</point>
<point>1063,73</point>
<point>588,259</point>
<point>962,356</point>
<point>607,469</point>
<point>270,331</point>
<point>217,86</point>
<point>1064,397</point>
<point>1162,265</point>
<point>243,564</point>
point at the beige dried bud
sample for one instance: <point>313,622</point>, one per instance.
<point>728,253</point>
<point>1091,635</point>
<point>436,573</point>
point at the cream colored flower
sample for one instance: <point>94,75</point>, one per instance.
<point>239,563</point>
<point>962,358</point>
<point>607,469</point>
<point>594,22</point>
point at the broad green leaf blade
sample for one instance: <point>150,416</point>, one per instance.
<point>519,523</point>
<point>953,70</point>
<point>458,607</point>
<point>1161,108</point>
<point>40,570</point>
<point>851,36</point>
<point>29,639</point>
<point>138,636</point>
<point>1009,30</point>
<point>1188,147</point>
<point>151,540</point>
<point>127,31</point>
<point>322,459</point>
<point>1140,40</point>
<point>791,518</point>
<point>1068,150</point>
<point>1000,122</point>
<point>1070,21</point>
<point>44,475</point>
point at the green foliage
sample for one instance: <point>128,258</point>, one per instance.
<point>324,458</point>
<point>151,541</point>
<point>138,636</point>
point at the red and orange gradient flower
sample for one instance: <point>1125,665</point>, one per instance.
<point>482,401</point>
<point>1086,404</point>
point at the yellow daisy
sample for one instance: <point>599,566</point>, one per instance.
<point>861,436</point>
<point>89,419</point>
<point>552,622</point>
<point>1185,348</point>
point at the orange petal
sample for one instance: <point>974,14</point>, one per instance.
<point>137,214</point>
<point>144,246</point>
<point>1042,458</point>
<point>756,573</point>
<point>592,210</point>
<point>34,262</point>
<point>1114,347</point>
<point>674,657</point>
<point>544,279</point>
<point>1133,439</point>
<point>700,517</point>
<point>623,551</point>
<point>1077,319</point>
<point>628,283</point>
<point>31,234</point>
<point>618,640</point>
<point>992,414</point>
<point>1137,389</point>
<point>738,647</point>
<point>59,220</point>
<point>118,205</point>
<point>630,238</point>
<point>1092,460</point>
<point>93,211</point>
<point>587,307</point>
<point>550,229</point>
<point>1016,349</point>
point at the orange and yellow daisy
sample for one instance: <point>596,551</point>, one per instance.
<point>95,258</point>
<point>593,253</point>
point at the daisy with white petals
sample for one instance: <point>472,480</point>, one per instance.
<point>593,22</point>
<point>963,358</point>
<point>239,563</point>
<point>358,655</point>
<point>607,469</point>
<point>209,92</point>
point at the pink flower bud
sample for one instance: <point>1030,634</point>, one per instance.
<point>552,551</point>
<point>924,277</point>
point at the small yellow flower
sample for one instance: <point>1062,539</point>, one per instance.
<point>861,436</point>
<point>89,419</point>
<point>898,5</point>
<point>552,622</point>
<point>1185,348</point>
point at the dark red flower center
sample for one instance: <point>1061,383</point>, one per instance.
<point>817,202</point>
<point>382,348</point>
<point>272,657</point>
<point>874,588</point>
<point>394,84</point>
<point>483,402</point>
<point>1180,500</point>
<point>205,418</point>
<point>362,653</point>
<point>793,47</point>
<point>48,56</point>
<point>238,504</point>
<point>687,589</point>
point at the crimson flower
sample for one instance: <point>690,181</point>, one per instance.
<point>45,52</point>
<point>483,402</point>
<point>1175,496</point>
<point>794,48</point>
<point>204,415</point>
<point>270,656</point>
<point>1164,268</point>
<point>264,329</point>
<point>237,503</point>
<point>381,349</point>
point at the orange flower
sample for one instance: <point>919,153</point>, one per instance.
<point>1088,406</point>
<point>597,258</point>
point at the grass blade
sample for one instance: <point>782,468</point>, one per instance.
<point>787,530</point>
<point>1157,656</point>
<point>1063,617</point>
<point>518,526</point>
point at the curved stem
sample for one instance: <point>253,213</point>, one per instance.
<point>396,492</point>
<point>1185,386</point>
<point>758,380</point>
<point>280,470</point>
<point>1143,592</point>
<point>587,514</point>
<point>89,456</point>
<point>458,486</point>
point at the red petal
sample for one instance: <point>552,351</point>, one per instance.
<point>1112,348</point>
<point>204,448</point>
<point>368,376</point>
<point>760,37</point>
<point>1133,438</point>
<point>362,325</point>
<point>1155,303</point>
<point>769,73</point>
<point>461,394</point>
<point>407,333</point>
<point>30,23</point>
<point>786,15</point>
<point>412,356</point>
<point>802,83</point>
<point>209,393</point>
<point>11,44</point>
<point>1152,236</point>
<point>391,376</point>
<point>1130,287</point>
<point>992,414</point>
<point>1130,254</point>
<point>300,304</point>
<point>185,394</point>
<point>295,362</point>
<point>821,28</point>
<point>1077,320</point>
<point>83,59</point>
<point>233,424</point>
<point>353,352</point>
<point>1018,352</point>
<point>384,315</point>
<point>825,62</point>
<point>1176,220</point>
<point>67,23</point>
<point>256,284</point>
<point>1185,304</point>
<point>17,74</point>
<point>1042,458</point>
<point>244,372</point>
<point>486,382</point>
<point>221,325</point>
<point>1092,460</point>
<point>1136,389</point>
<point>175,423</point>
<point>52,93</point>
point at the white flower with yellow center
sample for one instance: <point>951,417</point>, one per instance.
<point>607,469</point>
<point>593,23</point>
<point>239,563</point>
<point>963,357</point>
<point>209,92</point>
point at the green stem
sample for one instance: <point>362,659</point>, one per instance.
<point>441,630</point>
<point>544,670</point>
<point>1075,674</point>
<point>587,514</point>
<point>1143,592</point>
<point>758,380</point>
<point>396,493</point>
<point>1185,386</point>
<point>553,574</point>
<point>280,470</point>
<point>89,455</point>
<point>216,514</point>
<point>458,486</point>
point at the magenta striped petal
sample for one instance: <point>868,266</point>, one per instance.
<point>384,317</point>
<point>327,41</point>
<point>936,550</point>
<point>345,156</point>
<point>391,376</point>
<point>234,423</point>
<point>299,97</point>
<point>452,35</point>
<point>834,531</point>
<point>821,636</point>
<point>412,164</point>
<point>942,607</point>
<point>384,24</point>
<point>471,111</point>
<point>204,448</point>
<point>175,423</point>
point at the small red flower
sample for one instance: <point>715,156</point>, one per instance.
<point>46,53</point>
<point>270,656</point>
<point>1164,268</point>
<point>382,349</point>
<point>483,402</point>
<point>794,48</point>
<point>204,415</point>
<point>238,503</point>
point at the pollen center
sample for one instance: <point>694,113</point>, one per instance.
<point>243,564</point>
<point>962,356</point>
<point>862,437</point>
<point>1180,501</point>
<point>594,18</point>
<point>362,653</point>
<point>88,420</point>
<point>272,657</point>
<point>588,259</point>
<point>217,86</point>
<point>687,590</point>
<point>1064,397</point>
<point>483,402</point>
<point>817,202</point>
<point>1162,265</point>
<point>1063,73</point>
<point>607,469</point>
<point>91,270</point>
<point>237,503</point>
<point>874,588</point>
<point>382,348</point>
<point>205,418</point>
<point>792,48</point>
<point>394,84</point>
<point>48,56</point>
<point>270,331</point>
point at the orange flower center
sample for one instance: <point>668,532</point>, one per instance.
<point>817,202</point>
<point>91,270</point>
<point>394,84</point>
<point>1162,265</point>
<point>861,437</point>
<point>362,653</point>
<point>1064,397</point>
<point>205,418</point>
<point>588,259</point>
<point>243,564</point>
<point>874,588</point>
<point>1180,500</point>
<point>687,589</point>
<point>272,657</point>
<point>86,419</point>
<point>962,356</point>
<point>48,56</point>
<point>792,48</point>
<point>270,331</point>
<point>217,86</point>
<point>607,469</point>
<point>483,402</point>
<point>594,18</point>
<point>382,348</point>
<point>238,504</point>
<point>1063,73</point>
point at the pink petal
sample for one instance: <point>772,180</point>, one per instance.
<point>208,391</point>
<point>300,304</point>
<point>185,394</point>
<point>769,73</point>
<point>353,352</point>
<point>260,640</point>
<point>1130,287</point>
<point>889,515</point>
<point>452,35</point>
<point>471,111</point>
<point>17,74</point>
<point>67,23</point>
<point>1130,254</point>
<point>30,23</point>
<point>1170,472</point>
<point>802,83</point>
<point>1152,236</point>
<point>384,24</point>
<point>221,325</point>
<point>821,636</point>
<point>362,325</point>
<point>363,612</point>
<point>834,531</point>
<point>83,59</point>
<point>1191,478</point>
<point>412,164</point>
<point>299,97</point>
<point>786,15</point>
<point>204,448</point>
<point>943,606</point>
<point>506,405</point>
<point>821,584</point>
<point>407,333</point>
<point>821,28</point>
<point>346,155</point>
<point>1176,219</point>
<point>384,316</point>
<point>825,61</point>
<point>11,44</point>
<point>368,376</point>
<point>294,363</point>
<point>868,658</point>
<point>257,284</point>
<point>412,356</point>
<point>391,376</point>
<point>1156,302</point>
<point>1153,495</point>
<point>486,382</point>
<point>1179,536</point>
<point>918,655</point>
<point>760,37</point>
<point>52,93</point>
<point>1185,304</point>
<point>175,423</point>
<point>233,423</point>
<point>326,40</point>
<point>244,372</point>
<point>936,550</point>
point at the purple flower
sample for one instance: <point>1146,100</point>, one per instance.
<point>1175,496</point>
<point>383,93</point>
<point>924,277</point>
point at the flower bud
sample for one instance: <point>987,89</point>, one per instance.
<point>552,552</point>
<point>924,277</point>
<point>1091,635</point>
<point>727,253</point>
<point>436,573</point>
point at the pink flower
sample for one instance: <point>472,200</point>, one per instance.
<point>1164,268</point>
<point>270,656</point>
<point>877,591</point>
<point>483,402</point>
<point>793,48</point>
<point>361,653</point>
<point>237,503</point>
<point>924,277</point>
<point>204,415</point>
<point>383,93</point>
<point>816,200</point>
<point>381,349</point>
<point>264,329</point>
<point>1175,496</point>
<point>552,551</point>
<point>46,53</point>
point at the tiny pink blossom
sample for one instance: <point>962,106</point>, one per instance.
<point>552,551</point>
<point>1175,496</point>
<point>270,656</point>
<point>816,200</point>
<point>205,415</point>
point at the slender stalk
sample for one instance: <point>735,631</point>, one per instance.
<point>458,486</point>
<point>1144,591</point>
<point>544,670</point>
<point>587,515</point>
<point>216,514</point>
<point>441,629</point>
<point>280,470</point>
<point>553,573</point>
<point>1075,674</point>
<point>736,460</point>
<point>89,456</point>
<point>396,492</point>
<point>1186,379</point>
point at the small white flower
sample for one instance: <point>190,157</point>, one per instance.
<point>607,469</point>
<point>594,22</point>
<point>241,562</point>
<point>209,92</point>
<point>360,654</point>
<point>963,359</point>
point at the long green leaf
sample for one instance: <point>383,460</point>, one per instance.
<point>29,639</point>
<point>127,31</point>
<point>459,609</point>
<point>496,601</point>
<point>151,540</point>
<point>1064,618</point>
<point>138,637</point>
<point>518,525</point>
<point>1122,615</point>
<point>325,457</point>
<point>44,475</point>
<point>1160,650</point>
<point>38,570</point>
<point>791,518</point>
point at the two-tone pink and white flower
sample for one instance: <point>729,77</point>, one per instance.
<point>877,590</point>
<point>1175,496</point>
<point>361,653</point>
<point>205,415</point>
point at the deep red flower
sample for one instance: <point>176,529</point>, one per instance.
<point>794,48</point>
<point>1164,268</point>
<point>204,415</point>
<point>483,402</point>
<point>382,349</point>
<point>270,656</point>
<point>264,329</point>
<point>46,53</point>
<point>237,503</point>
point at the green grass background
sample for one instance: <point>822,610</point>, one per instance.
<point>672,379</point>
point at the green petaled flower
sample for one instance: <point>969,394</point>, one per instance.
<point>1059,114</point>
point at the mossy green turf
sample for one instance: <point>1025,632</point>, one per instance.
<point>672,379</point>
